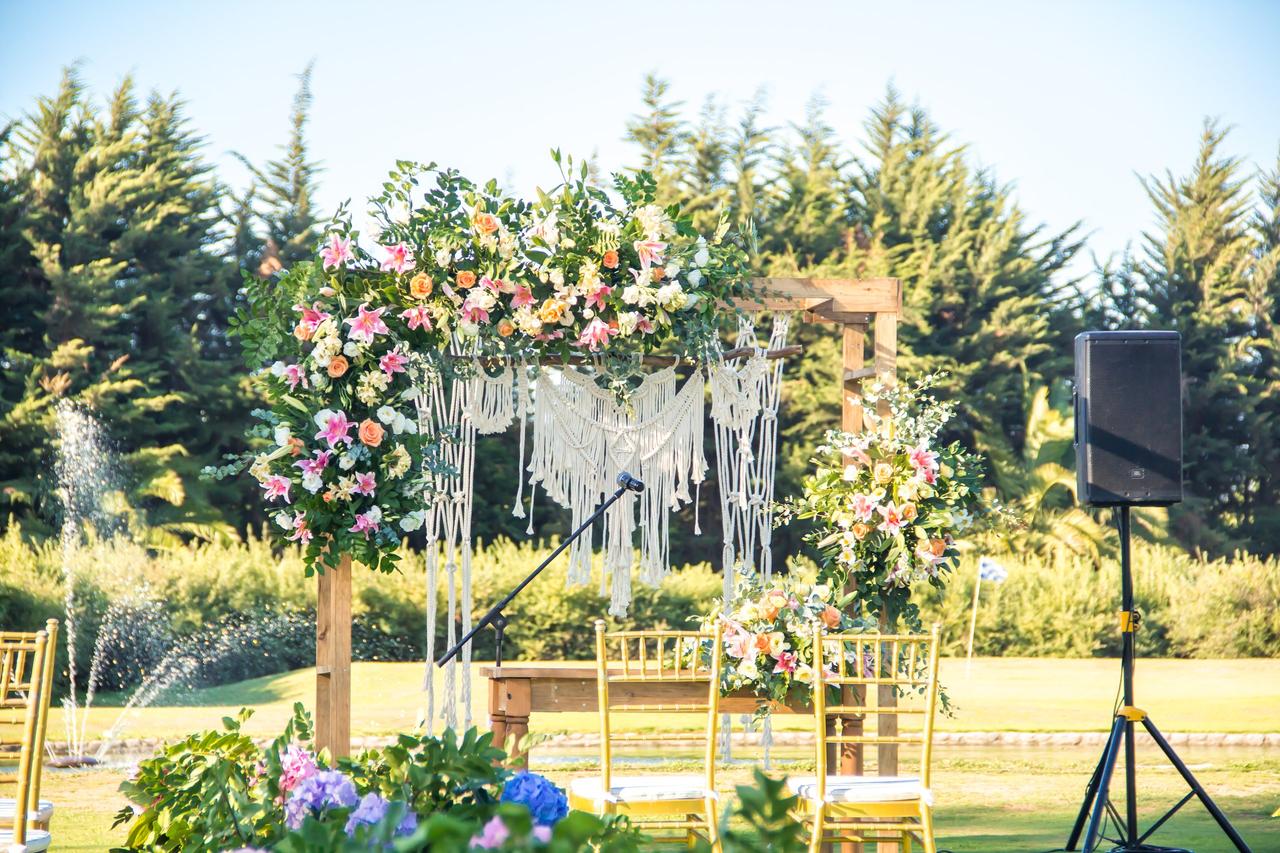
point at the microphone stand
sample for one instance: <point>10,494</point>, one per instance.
<point>496,617</point>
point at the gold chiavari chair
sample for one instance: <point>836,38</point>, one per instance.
<point>870,808</point>
<point>13,695</point>
<point>23,671</point>
<point>666,663</point>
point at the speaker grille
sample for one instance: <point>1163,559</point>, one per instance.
<point>1129,418</point>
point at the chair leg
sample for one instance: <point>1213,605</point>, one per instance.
<point>815,841</point>
<point>713,825</point>
<point>926,829</point>
<point>691,834</point>
<point>905,844</point>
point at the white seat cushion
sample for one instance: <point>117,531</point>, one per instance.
<point>41,813</point>
<point>862,789</point>
<point>641,789</point>
<point>37,840</point>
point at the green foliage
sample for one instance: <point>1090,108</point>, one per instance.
<point>766,808</point>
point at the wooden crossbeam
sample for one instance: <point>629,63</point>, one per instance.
<point>832,299</point>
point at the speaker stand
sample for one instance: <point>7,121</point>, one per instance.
<point>1097,801</point>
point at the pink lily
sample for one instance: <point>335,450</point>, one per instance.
<point>650,252</point>
<point>311,317</point>
<point>645,326</point>
<point>595,335</point>
<point>366,324</point>
<point>398,258</point>
<point>596,298</point>
<point>739,644</point>
<point>301,532</point>
<point>786,662</point>
<point>336,429</point>
<point>336,252</point>
<point>417,317</point>
<point>294,376</point>
<point>863,507</point>
<point>315,467</point>
<point>366,484</point>
<point>473,313</point>
<point>892,515</point>
<point>925,463</point>
<point>393,362</point>
<point>522,297</point>
<point>276,486</point>
<point>364,524</point>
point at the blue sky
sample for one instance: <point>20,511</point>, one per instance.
<point>1068,101</point>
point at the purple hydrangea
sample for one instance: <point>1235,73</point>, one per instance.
<point>327,789</point>
<point>545,802</point>
<point>372,809</point>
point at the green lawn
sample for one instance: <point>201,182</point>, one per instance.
<point>996,694</point>
<point>989,798</point>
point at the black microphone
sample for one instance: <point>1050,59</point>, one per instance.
<point>630,483</point>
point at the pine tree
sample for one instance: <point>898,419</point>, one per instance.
<point>660,134</point>
<point>285,189</point>
<point>704,189</point>
<point>750,153</point>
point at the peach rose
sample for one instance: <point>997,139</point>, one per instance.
<point>370,432</point>
<point>506,328</point>
<point>658,273</point>
<point>830,617</point>
<point>338,365</point>
<point>295,446</point>
<point>937,547</point>
<point>610,259</point>
<point>466,279</point>
<point>486,223</point>
<point>552,310</point>
<point>302,332</point>
<point>420,286</point>
<point>907,511</point>
<point>861,530</point>
<point>762,643</point>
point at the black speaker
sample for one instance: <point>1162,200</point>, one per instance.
<point>1128,413</point>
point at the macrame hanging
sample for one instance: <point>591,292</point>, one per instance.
<point>744,410</point>
<point>583,437</point>
<point>477,404</point>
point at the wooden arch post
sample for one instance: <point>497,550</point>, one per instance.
<point>333,659</point>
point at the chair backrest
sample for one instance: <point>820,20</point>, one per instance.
<point>24,662</point>
<point>18,682</point>
<point>679,661</point>
<point>866,666</point>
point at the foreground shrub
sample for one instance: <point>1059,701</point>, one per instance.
<point>216,790</point>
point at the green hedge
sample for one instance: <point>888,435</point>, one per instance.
<point>251,606</point>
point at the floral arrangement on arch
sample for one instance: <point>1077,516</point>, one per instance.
<point>343,347</point>
<point>892,503</point>
<point>768,635</point>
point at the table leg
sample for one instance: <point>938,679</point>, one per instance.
<point>510,701</point>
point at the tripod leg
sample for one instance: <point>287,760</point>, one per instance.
<point>1087,806</point>
<point>1104,784</point>
<point>1205,800</point>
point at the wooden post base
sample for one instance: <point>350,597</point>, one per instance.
<point>333,660</point>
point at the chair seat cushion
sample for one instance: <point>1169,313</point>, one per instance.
<point>641,789</point>
<point>40,814</point>
<point>37,840</point>
<point>862,789</point>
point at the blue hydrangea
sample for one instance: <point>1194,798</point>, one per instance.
<point>545,802</point>
<point>372,809</point>
<point>327,789</point>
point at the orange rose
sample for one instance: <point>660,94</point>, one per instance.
<point>762,642</point>
<point>831,617</point>
<point>338,365</point>
<point>302,332</point>
<point>486,223</point>
<point>610,259</point>
<point>861,530</point>
<point>907,511</point>
<point>420,286</point>
<point>937,547</point>
<point>658,273</point>
<point>466,279</point>
<point>506,328</point>
<point>295,446</point>
<point>370,432</point>
<point>328,496</point>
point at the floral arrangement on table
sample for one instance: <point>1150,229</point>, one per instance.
<point>218,791</point>
<point>343,347</point>
<point>768,635</point>
<point>891,503</point>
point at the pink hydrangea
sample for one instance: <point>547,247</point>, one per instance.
<point>493,835</point>
<point>296,766</point>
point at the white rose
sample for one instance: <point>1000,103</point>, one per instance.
<point>277,369</point>
<point>374,513</point>
<point>632,294</point>
<point>387,415</point>
<point>312,483</point>
<point>284,520</point>
<point>443,257</point>
<point>627,322</point>
<point>413,521</point>
<point>701,257</point>
<point>695,278</point>
<point>351,349</point>
<point>322,417</point>
<point>346,462</point>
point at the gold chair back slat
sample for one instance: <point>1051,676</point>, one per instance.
<point>28,662</point>
<point>907,662</point>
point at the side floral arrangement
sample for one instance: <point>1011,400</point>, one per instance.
<point>890,508</point>
<point>217,790</point>
<point>348,348</point>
